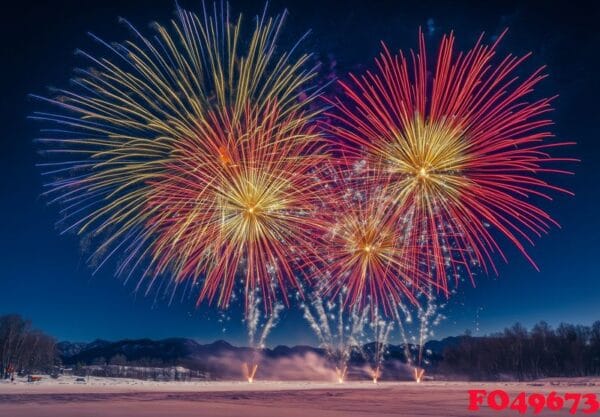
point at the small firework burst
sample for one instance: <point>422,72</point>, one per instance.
<point>368,254</point>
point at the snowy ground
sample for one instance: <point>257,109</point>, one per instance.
<point>111,397</point>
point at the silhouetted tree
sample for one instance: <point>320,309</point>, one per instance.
<point>23,349</point>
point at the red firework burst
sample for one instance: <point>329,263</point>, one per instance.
<point>464,147</point>
<point>240,199</point>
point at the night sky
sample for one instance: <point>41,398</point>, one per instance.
<point>44,277</point>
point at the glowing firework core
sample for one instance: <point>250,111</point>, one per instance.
<point>249,205</point>
<point>367,238</point>
<point>425,154</point>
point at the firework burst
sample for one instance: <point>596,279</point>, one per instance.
<point>187,153</point>
<point>252,210</point>
<point>463,144</point>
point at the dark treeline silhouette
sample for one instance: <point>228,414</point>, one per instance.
<point>24,349</point>
<point>514,354</point>
<point>567,351</point>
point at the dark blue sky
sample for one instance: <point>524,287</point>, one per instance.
<point>43,275</point>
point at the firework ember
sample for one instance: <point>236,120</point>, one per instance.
<point>187,154</point>
<point>465,147</point>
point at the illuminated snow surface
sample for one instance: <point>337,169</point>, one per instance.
<point>112,397</point>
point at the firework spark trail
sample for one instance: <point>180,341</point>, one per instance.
<point>404,319</point>
<point>256,326</point>
<point>163,129</point>
<point>416,332</point>
<point>338,345</point>
<point>380,330</point>
<point>464,143</point>
<point>254,323</point>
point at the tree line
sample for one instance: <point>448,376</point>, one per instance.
<point>517,353</point>
<point>24,349</point>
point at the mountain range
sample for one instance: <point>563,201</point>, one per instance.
<point>194,355</point>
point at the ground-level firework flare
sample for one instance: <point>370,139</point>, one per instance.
<point>249,371</point>
<point>338,330</point>
<point>419,373</point>
<point>465,144</point>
